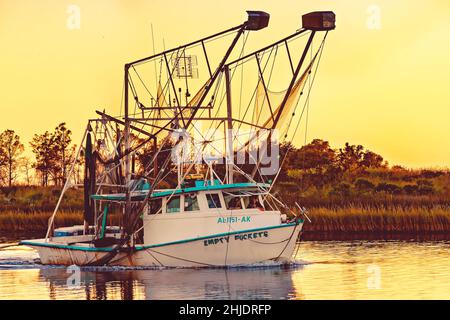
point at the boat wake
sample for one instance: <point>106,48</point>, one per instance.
<point>271,264</point>
<point>19,257</point>
<point>14,257</point>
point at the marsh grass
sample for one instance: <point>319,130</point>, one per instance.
<point>351,219</point>
<point>32,199</point>
<point>327,223</point>
<point>36,222</point>
<point>11,221</point>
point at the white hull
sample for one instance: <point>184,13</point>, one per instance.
<point>244,247</point>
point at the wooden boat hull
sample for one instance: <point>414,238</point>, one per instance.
<point>246,247</point>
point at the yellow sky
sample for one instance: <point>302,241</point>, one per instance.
<point>386,89</point>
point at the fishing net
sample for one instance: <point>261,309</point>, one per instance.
<point>265,101</point>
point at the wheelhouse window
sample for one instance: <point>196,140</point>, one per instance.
<point>233,202</point>
<point>173,205</point>
<point>253,202</point>
<point>213,200</point>
<point>191,202</point>
<point>155,206</point>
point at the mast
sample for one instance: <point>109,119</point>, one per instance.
<point>229,154</point>
<point>128,154</point>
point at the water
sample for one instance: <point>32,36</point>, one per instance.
<point>324,270</point>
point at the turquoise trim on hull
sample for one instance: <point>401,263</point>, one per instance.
<point>218,235</point>
<point>138,248</point>
<point>140,195</point>
<point>62,246</point>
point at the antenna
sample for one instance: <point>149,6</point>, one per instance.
<point>154,51</point>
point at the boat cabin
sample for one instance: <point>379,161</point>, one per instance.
<point>203,201</point>
<point>204,209</point>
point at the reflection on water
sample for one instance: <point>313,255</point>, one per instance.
<point>334,270</point>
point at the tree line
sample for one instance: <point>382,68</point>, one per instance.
<point>318,174</point>
<point>53,152</point>
<point>314,167</point>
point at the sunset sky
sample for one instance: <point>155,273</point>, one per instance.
<point>386,88</point>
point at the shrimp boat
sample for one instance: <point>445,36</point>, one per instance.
<point>181,180</point>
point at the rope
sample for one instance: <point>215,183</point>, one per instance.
<point>307,99</point>
<point>8,245</point>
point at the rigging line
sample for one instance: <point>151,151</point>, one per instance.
<point>128,151</point>
<point>250,57</point>
<point>257,120</point>
<point>136,105</point>
<point>267,87</point>
<point>137,136</point>
<point>152,217</point>
<point>298,246</point>
<point>322,46</point>
<point>231,79</point>
<point>8,245</point>
<point>222,89</point>
<point>314,76</point>
<point>155,156</point>
<point>160,69</point>
<point>297,37</point>
<point>165,86</point>
<point>144,123</point>
<point>239,170</point>
<point>182,259</point>
<point>220,77</point>
<point>133,90</point>
<point>169,75</point>
<point>228,244</point>
<point>107,172</point>
<point>132,87</point>
<point>179,102</point>
<point>292,234</point>
<point>170,72</point>
<point>189,46</point>
<point>153,44</point>
<point>186,77</point>
<point>148,252</point>
<point>215,130</point>
<point>242,79</point>
<point>218,81</point>
<point>143,83</point>
<point>309,90</point>
<point>232,75</point>
<point>218,38</point>
<point>266,97</point>
<point>178,187</point>
<point>113,167</point>
<point>262,243</point>
<point>309,100</point>
<point>270,76</point>
<point>183,178</point>
<point>122,99</point>
<point>216,90</point>
<point>301,184</point>
<point>256,88</point>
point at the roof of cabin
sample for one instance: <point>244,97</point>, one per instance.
<point>141,194</point>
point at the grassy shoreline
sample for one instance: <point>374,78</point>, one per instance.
<point>363,223</point>
<point>372,223</point>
